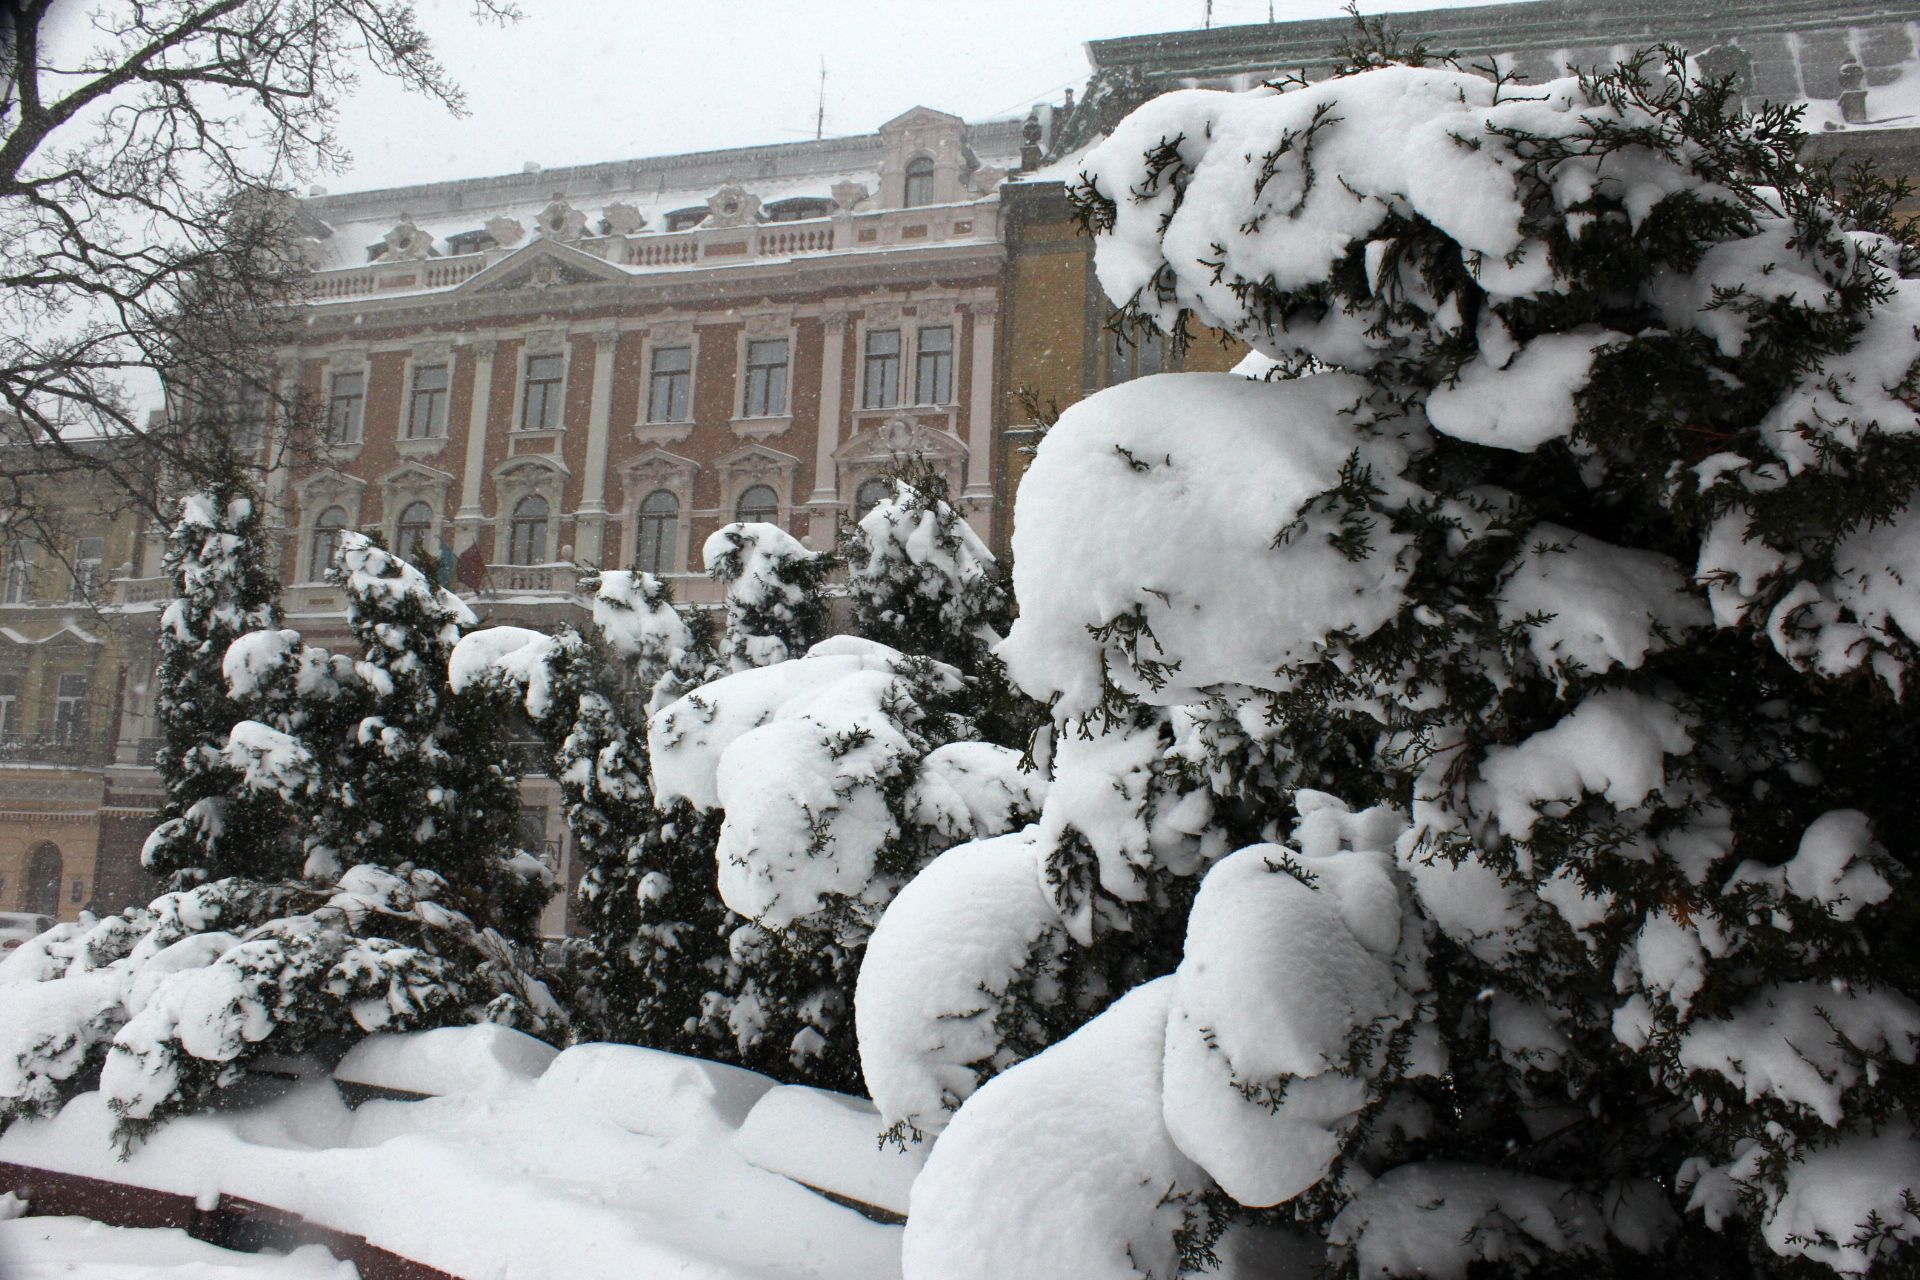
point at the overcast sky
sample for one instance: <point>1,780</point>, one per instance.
<point>585,80</point>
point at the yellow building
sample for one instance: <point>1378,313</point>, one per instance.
<point>62,677</point>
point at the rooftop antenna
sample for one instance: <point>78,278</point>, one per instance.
<point>1208,20</point>
<point>820,116</point>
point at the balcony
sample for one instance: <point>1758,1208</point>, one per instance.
<point>969,223</point>
<point>68,751</point>
<point>559,578</point>
<point>126,591</point>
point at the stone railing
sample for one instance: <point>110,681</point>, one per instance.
<point>558,578</point>
<point>700,246</point>
<point>75,750</point>
<point>139,590</point>
<point>393,277</point>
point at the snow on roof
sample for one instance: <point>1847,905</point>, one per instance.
<point>654,186</point>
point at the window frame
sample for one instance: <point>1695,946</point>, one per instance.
<point>919,174</point>
<point>944,368</point>
<point>87,582</point>
<point>683,378</point>
<point>70,709</point>
<point>880,370</point>
<point>766,407</point>
<point>16,573</point>
<point>9,705</point>
<point>338,433</point>
<point>438,401</point>
<point>552,392</point>
<point>519,524</point>
<point>659,558</point>
<point>402,526</point>
<point>320,533</point>
<point>740,504</point>
<point>860,506</point>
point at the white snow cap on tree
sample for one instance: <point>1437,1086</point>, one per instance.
<point>761,565</point>
<point>1061,1166</point>
<point>1186,595</point>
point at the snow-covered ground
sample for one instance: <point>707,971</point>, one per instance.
<point>604,1160</point>
<point>77,1249</point>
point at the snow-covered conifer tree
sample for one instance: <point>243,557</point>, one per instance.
<point>838,774</point>
<point>1532,675</point>
<point>162,1006</point>
<point>424,779</point>
<point>920,578</point>
<point>774,606</point>
<point>207,827</point>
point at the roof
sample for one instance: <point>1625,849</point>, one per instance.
<point>654,186</point>
<point>1542,25</point>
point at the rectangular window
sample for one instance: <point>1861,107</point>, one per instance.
<point>933,366</point>
<point>880,380</point>
<point>9,707</point>
<point>541,410</point>
<point>250,424</point>
<point>670,384</point>
<point>70,708</point>
<point>1145,354</point>
<point>427,403</point>
<point>89,562</point>
<point>346,402</point>
<point>766,395</point>
<point>19,572</point>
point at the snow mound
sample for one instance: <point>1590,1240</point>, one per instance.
<point>1061,1166</point>
<point>936,971</point>
<point>1152,514</point>
<point>647,1091</point>
<point>446,1060</point>
<point>832,1142</point>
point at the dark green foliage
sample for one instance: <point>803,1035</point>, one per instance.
<point>207,829</point>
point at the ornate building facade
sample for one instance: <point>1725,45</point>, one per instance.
<point>527,376</point>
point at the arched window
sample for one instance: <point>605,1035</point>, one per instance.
<point>411,540</point>
<point>527,535</point>
<point>326,542</point>
<point>659,523</point>
<point>919,183</point>
<point>870,494</point>
<point>43,879</point>
<point>758,502</point>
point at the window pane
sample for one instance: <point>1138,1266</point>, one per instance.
<point>344,405</point>
<point>758,502</point>
<point>766,392</point>
<point>411,537</point>
<point>326,541</point>
<point>933,376</point>
<point>427,406</point>
<point>659,522</point>
<point>541,411</point>
<point>527,537</point>
<point>670,389</point>
<point>919,183</point>
<point>88,557</point>
<point>19,573</point>
<point>880,385</point>
<point>869,495</point>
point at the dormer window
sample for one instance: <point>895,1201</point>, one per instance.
<point>683,219</point>
<point>919,189</point>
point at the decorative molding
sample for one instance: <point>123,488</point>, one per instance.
<point>420,447</point>
<point>559,221</point>
<point>659,433</point>
<point>405,242</point>
<point>544,342</point>
<point>767,324</point>
<point>505,230</point>
<point>732,206</point>
<point>670,333</point>
<point>762,428</point>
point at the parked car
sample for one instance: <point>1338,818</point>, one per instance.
<point>17,926</point>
